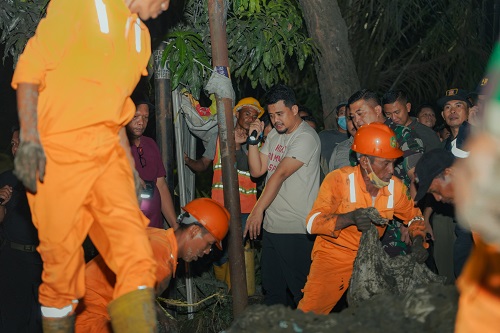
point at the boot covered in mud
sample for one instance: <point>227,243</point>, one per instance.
<point>59,325</point>
<point>134,312</point>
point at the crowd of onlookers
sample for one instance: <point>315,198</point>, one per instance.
<point>80,152</point>
<point>288,187</point>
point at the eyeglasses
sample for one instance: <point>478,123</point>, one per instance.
<point>142,160</point>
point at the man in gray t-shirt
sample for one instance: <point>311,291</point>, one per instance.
<point>290,156</point>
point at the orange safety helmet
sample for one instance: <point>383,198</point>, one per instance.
<point>251,102</point>
<point>376,139</point>
<point>211,215</point>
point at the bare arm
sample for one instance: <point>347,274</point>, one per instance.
<point>284,170</point>
<point>27,101</point>
<point>197,165</point>
<point>167,205</point>
<point>257,162</point>
<point>30,158</point>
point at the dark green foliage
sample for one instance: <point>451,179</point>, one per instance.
<point>18,22</point>
<point>422,46</point>
<point>187,60</point>
<point>265,38</point>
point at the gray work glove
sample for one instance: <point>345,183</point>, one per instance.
<point>361,218</point>
<point>419,252</point>
<point>28,163</point>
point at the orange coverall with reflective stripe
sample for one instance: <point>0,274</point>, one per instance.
<point>86,58</point>
<point>92,314</point>
<point>334,251</point>
<point>479,286</point>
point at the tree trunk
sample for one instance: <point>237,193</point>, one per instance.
<point>335,70</point>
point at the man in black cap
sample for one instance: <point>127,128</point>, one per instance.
<point>477,98</point>
<point>455,106</point>
<point>435,174</point>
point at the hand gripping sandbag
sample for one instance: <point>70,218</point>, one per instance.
<point>375,272</point>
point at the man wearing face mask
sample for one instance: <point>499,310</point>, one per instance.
<point>332,137</point>
<point>341,153</point>
<point>364,108</point>
<point>348,201</point>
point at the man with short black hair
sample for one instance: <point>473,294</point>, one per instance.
<point>397,107</point>
<point>365,107</point>
<point>426,115</point>
<point>156,197</point>
<point>290,156</point>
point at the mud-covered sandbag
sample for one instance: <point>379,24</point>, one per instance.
<point>431,308</point>
<point>376,273</point>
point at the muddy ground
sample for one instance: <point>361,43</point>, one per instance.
<point>428,309</point>
<point>431,308</point>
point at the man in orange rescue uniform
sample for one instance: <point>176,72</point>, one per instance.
<point>73,84</point>
<point>339,215</point>
<point>204,223</point>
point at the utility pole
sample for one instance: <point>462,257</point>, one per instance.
<point>164,118</point>
<point>217,20</point>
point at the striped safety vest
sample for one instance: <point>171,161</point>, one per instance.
<point>246,187</point>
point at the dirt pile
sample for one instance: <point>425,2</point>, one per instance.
<point>427,309</point>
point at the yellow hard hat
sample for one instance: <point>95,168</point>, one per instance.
<point>251,102</point>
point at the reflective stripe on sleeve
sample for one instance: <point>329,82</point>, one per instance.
<point>102,15</point>
<point>310,222</point>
